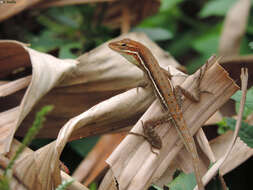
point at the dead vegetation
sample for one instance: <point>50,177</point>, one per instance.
<point>106,99</point>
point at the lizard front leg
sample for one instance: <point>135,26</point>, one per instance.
<point>195,97</point>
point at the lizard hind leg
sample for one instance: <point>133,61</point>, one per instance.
<point>152,150</point>
<point>151,136</point>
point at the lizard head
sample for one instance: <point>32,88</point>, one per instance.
<point>129,49</point>
<point>124,45</point>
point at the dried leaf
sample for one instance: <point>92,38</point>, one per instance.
<point>37,170</point>
<point>97,71</point>
<point>48,72</point>
<point>215,167</point>
<point>132,163</point>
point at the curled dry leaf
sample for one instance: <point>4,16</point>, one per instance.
<point>32,173</point>
<point>135,166</point>
<point>12,87</point>
<point>48,71</point>
<point>215,168</point>
<point>100,70</point>
<point>13,56</point>
<point>181,161</point>
<point>15,182</point>
<point>100,67</point>
<point>239,153</point>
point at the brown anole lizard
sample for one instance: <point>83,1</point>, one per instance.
<point>141,56</point>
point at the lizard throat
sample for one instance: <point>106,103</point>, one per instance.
<point>135,58</point>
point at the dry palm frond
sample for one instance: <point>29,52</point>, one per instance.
<point>95,71</point>
<point>135,166</point>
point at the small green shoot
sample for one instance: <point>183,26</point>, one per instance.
<point>36,126</point>
<point>32,132</point>
<point>4,183</point>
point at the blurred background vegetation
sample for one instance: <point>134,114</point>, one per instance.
<point>189,30</point>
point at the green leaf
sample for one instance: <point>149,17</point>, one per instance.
<point>65,51</point>
<point>180,45</point>
<point>250,23</point>
<point>65,17</point>
<point>154,21</point>
<point>188,182</point>
<point>67,21</point>
<point>156,187</point>
<point>47,41</point>
<point>52,25</point>
<point>83,146</point>
<point>207,44</point>
<point>216,8</point>
<point>93,186</point>
<point>245,47</point>
<point>194,64</point>
<point>251,45</point>
<point>248,103</point>
<point>222,127</point>
<point>156,34</point>
<point>245,133</point>
<point>164,20</point>
<point>183,182</point>
<point>169,4</point>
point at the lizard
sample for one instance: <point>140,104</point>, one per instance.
<point>139,55</point>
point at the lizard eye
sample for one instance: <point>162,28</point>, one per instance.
<point>124,45</point>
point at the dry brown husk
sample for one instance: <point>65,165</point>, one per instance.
<point>90,81</point>
<point>29,172</point>
<point>135,166</point>
<point>97,71</point>
<point>79,83</point>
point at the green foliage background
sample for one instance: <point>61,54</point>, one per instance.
<point>188,29</point>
